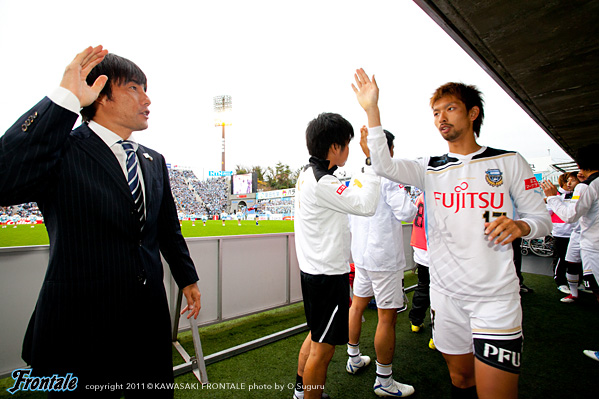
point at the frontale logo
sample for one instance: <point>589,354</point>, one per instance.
<point>494,177</point>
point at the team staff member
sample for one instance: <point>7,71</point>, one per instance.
<point>322,238</point>
<point>471,194</point>
<point>102,312</point>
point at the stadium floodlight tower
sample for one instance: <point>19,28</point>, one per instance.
<point>223,107</point>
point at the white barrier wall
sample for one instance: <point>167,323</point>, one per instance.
<point>239,275</point>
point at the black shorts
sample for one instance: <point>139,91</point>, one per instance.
<point>326,303</point>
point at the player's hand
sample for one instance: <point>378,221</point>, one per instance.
<point>367,91</point>
<point>76,72</point>
<point>192,294</point>
<point>364,140</point>
<point>505,230</point>
<point>548,188</point>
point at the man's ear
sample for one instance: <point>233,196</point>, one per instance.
<point>473,113</point>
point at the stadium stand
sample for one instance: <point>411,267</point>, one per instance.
<point>195,197</point>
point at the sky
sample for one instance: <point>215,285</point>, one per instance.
<point>282,62</point>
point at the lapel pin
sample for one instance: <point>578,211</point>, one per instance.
<point>148,156</point>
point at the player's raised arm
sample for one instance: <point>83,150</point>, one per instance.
<point>367,93</point>
<point>75,75</point>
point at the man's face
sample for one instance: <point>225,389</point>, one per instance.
<point>127,111</point>
<point>571,183</point>
<point>451,118</point>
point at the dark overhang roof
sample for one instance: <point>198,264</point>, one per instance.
<point>545,55</point>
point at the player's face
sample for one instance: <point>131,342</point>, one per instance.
<point>452,119</point>
<point>127,111</point>
<point>572,182</point>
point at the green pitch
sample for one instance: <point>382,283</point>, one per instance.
<point>24,234</point>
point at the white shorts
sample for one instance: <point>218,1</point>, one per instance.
<point>590,264</point>
<point>492,330</point>
<point>384,286</point>
<point>573,252</point>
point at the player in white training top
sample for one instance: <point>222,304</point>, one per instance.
<point>471,196</point>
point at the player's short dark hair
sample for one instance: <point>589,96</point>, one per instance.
<point>468,94</point>
<point>587,157</point>
<point>324,131</point>
<point>390,138</point>
<point>119,71</point>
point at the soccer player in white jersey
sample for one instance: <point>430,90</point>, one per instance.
<point>471,196</point>
<point>379,258</point>
<point>585,206</point>
<point>322,242</point>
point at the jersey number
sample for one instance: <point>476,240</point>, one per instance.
<point>419,219</point>
<point>487,214</point>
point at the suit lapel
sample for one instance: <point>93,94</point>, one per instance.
<point>103,155</point>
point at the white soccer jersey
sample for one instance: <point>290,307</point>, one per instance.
<point>322,204</point>
<point>377,241</point>
<point>584,206</point>
<point>462,192</point>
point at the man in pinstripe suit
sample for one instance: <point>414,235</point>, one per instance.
<point>102,312</point>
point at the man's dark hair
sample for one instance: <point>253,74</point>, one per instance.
<point>587,157</point>
<point>390,138</point>
<point>468,94</point>
<point>119,71</point>
<point>324,131</point>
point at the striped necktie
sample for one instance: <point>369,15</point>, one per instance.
<point>134,182</point>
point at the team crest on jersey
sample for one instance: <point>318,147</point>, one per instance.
<point>494,177</point>
<point>341,189</point>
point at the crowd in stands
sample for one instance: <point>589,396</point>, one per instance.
<point>213,192</point>
<point>193,196</point>
<point>277,205</point>
<point>23,210</point>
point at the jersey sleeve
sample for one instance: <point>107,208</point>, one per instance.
<point>359,198</point>
<point>581,202</point>
<point>409,172</point>
<point>528,200</point>
<point>398,199</point>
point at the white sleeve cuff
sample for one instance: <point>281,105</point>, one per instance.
<point>66,99</point>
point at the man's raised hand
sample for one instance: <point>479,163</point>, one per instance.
<point>367,93</point>
<point>76,72</point>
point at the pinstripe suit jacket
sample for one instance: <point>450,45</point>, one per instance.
<point>104,281</point>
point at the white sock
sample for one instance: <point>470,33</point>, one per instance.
<point>298,394</point>
<point>354,352</point>
<point>384,373</point>
<point>573,284</point>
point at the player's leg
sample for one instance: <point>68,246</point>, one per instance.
<point>362,294</point>
<point>497,337</point>
<point>493,383</point>
<point>420,300</point>
<point>315,370</point>
<point>384,339</point>
<point>461,372</point>
<point>301,365</point>
<point>356,361</point>
<point>389,297</point>
<point>452,335</point>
